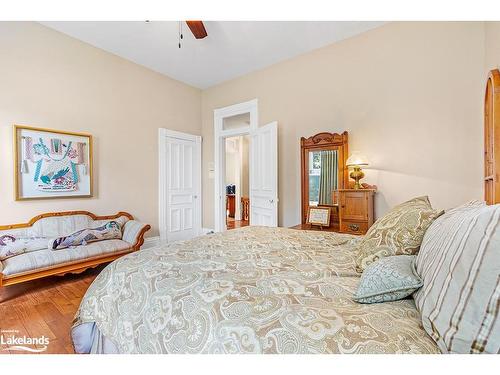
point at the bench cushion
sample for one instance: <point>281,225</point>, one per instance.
<point>40,259</point>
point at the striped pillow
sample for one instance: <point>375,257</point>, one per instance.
<point>459,263</point>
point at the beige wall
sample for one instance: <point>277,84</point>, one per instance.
<point>410,95</point>
<point>50,80</point>
<point>492,47</point>
<point>232,162</point>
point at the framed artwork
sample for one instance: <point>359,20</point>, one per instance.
<point>51,164</point>
<point>319,216</point>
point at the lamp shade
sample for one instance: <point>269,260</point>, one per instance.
<point>356,159</point>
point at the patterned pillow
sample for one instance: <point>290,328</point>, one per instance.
<point>11,245</point>
<point>108,231</point>
<point>459,263</point>
<point>388,279</point>
<point>398,232</point>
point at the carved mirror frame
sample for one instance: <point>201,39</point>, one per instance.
<point>322,141</point>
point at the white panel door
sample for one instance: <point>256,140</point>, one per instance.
<point>264,175</point>
<point>183,189</point>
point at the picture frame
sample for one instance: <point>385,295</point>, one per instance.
<point>52,164</point>
<point>319,216</point>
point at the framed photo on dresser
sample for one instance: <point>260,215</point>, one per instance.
<point>51,164</point>
<point>319,216</point>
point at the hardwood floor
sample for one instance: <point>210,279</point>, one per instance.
<point>44,307</point>
<point>232,224</point>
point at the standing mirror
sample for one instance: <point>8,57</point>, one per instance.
<point>323,171</point>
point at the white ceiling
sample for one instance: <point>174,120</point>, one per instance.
<point>232,48</point>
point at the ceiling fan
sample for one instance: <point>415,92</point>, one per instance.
<point>197,28</point>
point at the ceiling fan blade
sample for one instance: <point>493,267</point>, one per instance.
<point>197,28</point>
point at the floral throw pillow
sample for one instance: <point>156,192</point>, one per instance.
<point>110,230</point>
<point>11,245</point>
<point>399,232</point>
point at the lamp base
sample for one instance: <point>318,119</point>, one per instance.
<point>357,174</point>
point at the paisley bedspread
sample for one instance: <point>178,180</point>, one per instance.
<point>250,290</point>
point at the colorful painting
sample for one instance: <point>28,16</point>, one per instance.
<point>52,164</point>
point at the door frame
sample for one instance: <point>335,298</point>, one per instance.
<point>220,135</point>
<point>163,162</point>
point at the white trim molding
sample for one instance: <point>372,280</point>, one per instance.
<point>162,182</point>
<point>251,107</point>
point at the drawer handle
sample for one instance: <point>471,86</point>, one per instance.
<point>354,227</point>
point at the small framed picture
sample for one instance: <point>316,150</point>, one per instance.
<point>51,163</point>
<point>319,216</point>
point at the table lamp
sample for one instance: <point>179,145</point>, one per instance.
<point>356,160</point>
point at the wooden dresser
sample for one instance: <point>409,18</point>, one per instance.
<point>351,210</point>
<point>356,210</point>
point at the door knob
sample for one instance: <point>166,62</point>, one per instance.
<point>195,196</point>
<point>271,200</point>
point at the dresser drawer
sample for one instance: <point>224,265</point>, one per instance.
<point>353,227</point>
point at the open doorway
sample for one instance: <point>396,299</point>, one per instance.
<point>240,120</point>
<point>237,182</point>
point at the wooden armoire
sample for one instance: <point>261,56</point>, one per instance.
<point>492,138</point>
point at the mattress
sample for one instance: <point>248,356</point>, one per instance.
<point>250,290</point>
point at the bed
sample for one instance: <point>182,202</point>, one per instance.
<point>250,290</point>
